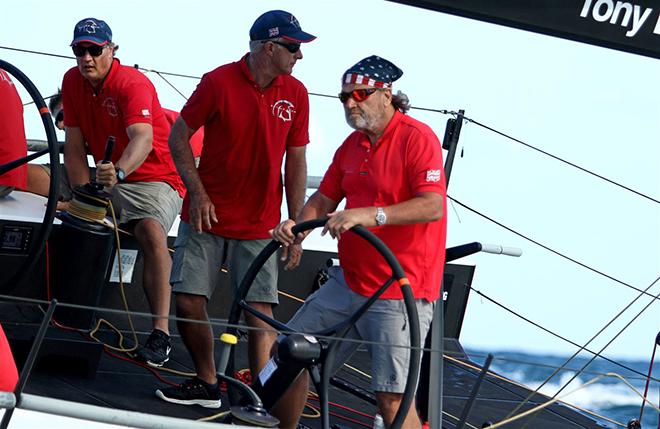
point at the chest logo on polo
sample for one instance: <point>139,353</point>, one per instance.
<point>111,107</point>
<point>432,175</point>
<point>284,110</point>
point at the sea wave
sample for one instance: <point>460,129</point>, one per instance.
<point>618,398</point>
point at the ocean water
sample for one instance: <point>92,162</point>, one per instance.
<point>609,396</point>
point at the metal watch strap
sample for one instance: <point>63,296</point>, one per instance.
<point>381,217</point>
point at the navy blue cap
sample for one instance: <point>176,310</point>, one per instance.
<point>92,30</point>
<point>278,23</point>
<point>373,71</point>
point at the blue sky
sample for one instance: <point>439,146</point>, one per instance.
<point>596,107</point>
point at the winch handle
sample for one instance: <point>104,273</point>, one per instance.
<point>109,146</point>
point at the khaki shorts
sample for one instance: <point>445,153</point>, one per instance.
<point>65,187</point>
<point>385,323</point>
<point>200,259</point>
<point>146,200</point>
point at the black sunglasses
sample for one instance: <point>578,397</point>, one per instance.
<point>94,50</point>
<point>60,116</point>
<point>291,47</point>
<point>357,94</point>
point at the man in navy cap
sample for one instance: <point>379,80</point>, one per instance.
<point>254,113</point>
<point>390,172</point>
<point>104,98</point>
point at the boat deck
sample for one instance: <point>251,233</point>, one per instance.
<point>67,370</point>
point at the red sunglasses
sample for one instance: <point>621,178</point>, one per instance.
<point>357,94</point>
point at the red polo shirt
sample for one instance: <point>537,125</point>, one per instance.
<point>246,133</point>
<point>406,160</point>
<point>8,371</point>
<point>12,133</point>
<point>127,97</point>
<point>196,140</point>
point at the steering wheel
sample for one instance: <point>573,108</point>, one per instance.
<point>39,239</point>
<point>340,330</point>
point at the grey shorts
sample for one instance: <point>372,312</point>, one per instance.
<point>200,259</point>
<point>146,200</point>
<point>385,323</point>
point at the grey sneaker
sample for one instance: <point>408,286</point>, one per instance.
<point>192,392</point>
<point>156,350</point>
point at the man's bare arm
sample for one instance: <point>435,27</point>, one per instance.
<point>202,210</point>
<point>75,157</point>
<point>295,179</point>
<point>424,207</point>
<point>139,146</point>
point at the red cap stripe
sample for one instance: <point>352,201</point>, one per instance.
<point>364,80</point>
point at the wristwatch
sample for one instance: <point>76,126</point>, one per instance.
<point>381,218</point>
<point>121,174</point>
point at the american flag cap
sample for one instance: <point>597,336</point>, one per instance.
<point>373,71</point>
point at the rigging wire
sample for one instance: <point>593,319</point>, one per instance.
<point>441,111</point>
<point>187,76</point>
<point>549,249</point>
<point>48,54</point>
<point>11,298</point>
<point>648,379</point>
<point>161,74</point>
<point>531,322</point>
<point>584,170</point>
<point>568,404</point>
<point>588,342</point>
<point>546,404</point>
<point>219,323</point>
<point>32,101</point>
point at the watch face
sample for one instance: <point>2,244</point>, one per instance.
<point>380,217</point>
<point>120,175</point>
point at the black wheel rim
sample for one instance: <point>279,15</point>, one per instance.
<point>39,240</point>
<point>398,274</point>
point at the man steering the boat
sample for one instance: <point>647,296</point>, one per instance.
<point>254,114</point>
<point>391,174</point>
<point>104,98</point>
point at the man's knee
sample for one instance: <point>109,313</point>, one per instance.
<point>262,307</point>
<point>190,306</point>
<point>150,234</point>
<point>388,402</point>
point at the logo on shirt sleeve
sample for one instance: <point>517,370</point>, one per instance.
<point>145,112</point>
<point>432,175</point>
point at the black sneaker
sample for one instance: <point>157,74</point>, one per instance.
<point>156,350</point>
<point>192,392</point>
